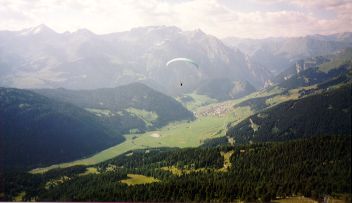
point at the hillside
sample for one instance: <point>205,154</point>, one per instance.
<point>316,167</point>
<point>128,108</point>
<point>328,113</point>
<point>38,131</point>
<point>225,89</point>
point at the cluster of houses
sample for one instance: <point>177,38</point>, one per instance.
<point>218,110</point>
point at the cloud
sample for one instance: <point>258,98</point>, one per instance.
<point>213,16</point>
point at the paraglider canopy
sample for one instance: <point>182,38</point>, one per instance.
<point>187,60</point>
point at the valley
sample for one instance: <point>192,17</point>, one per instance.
<point>180,134</point>
<point>106,117</point>
<point>212,121</point>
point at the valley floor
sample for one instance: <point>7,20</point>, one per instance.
<point>212,121</point>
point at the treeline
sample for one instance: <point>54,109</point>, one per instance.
<point>312,167</point>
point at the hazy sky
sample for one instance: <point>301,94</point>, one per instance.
<point>222,18</point>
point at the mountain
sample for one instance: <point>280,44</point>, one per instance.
<point>225,89</point>
<point>41,58</point>
<point>327,113</point>
<point>38,131</point>
<point>128,108</point>
<point>314,70</point>
<point>277,54</point>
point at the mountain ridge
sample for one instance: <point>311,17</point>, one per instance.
<point>84,60</point>
<point>277,54</point>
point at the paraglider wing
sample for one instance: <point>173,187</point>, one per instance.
<point>183,59</point>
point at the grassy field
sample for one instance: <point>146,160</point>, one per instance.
<point>136,179</point>
<point>295,200</point>
<point>90,170</point>
<point>19,197</point>
<point>227,162</point>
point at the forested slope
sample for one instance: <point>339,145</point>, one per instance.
<point>312,167</point>
<point>328,113</point>
<point>37,131</point>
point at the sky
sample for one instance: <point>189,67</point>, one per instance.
<point>222,18</point>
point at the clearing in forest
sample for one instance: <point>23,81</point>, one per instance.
<point>136,179</point>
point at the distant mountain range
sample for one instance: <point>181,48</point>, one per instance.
<point>277,54</point>
<point>41,58</point>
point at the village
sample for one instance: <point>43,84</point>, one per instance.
<point>218,110</point>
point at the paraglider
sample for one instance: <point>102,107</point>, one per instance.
<point>184,60</point>
<point>187,60</point>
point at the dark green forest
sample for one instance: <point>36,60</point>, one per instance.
<point>312,167</point>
